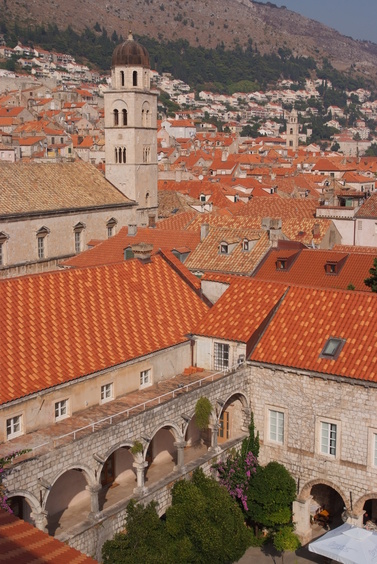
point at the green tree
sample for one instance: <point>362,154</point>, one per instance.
<point>371,282</point>
<point>270,495</point>
<point>146,539</point>
<point>207,526</point>
<point>371,151</point>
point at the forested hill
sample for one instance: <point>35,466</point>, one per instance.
<point>206,24</point>
<point>218,69</point>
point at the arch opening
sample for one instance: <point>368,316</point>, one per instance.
<point>161,455</point>
<point>118,477</point>
<point>68,502</point>
<point>326,508</point>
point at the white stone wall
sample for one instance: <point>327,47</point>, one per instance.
<point>22,244</point>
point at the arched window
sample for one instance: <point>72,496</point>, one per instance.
<point>122,78</point>
<point>124,154</point>
<point>134,78</point>
<point>291,131</point>
<point>116,155</point>
<point>125,116</point>
<point>116,117</point>
<point>143,118</point>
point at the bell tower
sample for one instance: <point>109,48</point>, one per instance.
<point>131,129</point>
<point>292,131</point>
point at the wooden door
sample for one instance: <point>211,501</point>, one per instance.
<point>223,432</point>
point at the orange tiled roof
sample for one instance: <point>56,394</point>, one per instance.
<point>369,208</point>
<point>62,325</point>
<point>111,251</point>
<point>308,268</point>
<point>27,187</point>
<point>241,310</point>
<point>22,543</point>
<point>279,208</point>
<point>207,256</point>
<point>307,318</point>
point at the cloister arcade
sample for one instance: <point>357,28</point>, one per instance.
<point>80,493</point>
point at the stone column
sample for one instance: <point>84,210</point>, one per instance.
<point>301,519</point>
<point>180,446</point>
<point>214,448</point>
<point>94,500</point>
<point>140,466</point>
<point>40,520</point>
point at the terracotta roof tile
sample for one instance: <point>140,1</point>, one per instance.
<point>309,268</point>
<point>27,187</point>
<point>21,542</point>
<point>111,251</point>
<point>66,324</point>
<point>307,318</point>
<point>241,310</point>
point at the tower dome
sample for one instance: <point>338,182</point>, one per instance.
<point>130,53</point>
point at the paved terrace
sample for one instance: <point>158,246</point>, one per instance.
<point>102,416</point>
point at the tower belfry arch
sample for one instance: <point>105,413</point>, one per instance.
<point>131,129</point>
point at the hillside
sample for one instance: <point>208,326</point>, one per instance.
<point>207,24</point>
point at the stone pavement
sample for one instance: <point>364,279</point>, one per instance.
<point>268,555</point>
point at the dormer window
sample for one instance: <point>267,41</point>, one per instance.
<point>281,264</point>
<point>331,268</point>
<point>128,253</point>
<point>245,245</point>
<point>332,348</point>
<point>202,197</point>
<point>224,248</point>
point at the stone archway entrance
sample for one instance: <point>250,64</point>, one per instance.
<point>68,502</point>
<point>326,499</point>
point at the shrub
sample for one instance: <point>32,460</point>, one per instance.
<point>203,410</point>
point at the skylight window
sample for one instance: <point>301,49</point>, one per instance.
<point>332,348</point>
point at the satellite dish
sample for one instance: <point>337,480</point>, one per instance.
<point>200,177</point>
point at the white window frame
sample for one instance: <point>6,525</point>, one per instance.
<point>328,437</point>
<point>221,360</point>
<point>14,427</point>
<point>41,246</point>
<point>145,378</point>
<point>78,242</point>
<point>276,425</point>
<point>107,392</point>
<point>61,409</point>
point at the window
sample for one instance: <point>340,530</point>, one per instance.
<point>106,393</point>
<point>128,253</point>
<point>41,247</point>
<point>245,245</point>
<point>223,249</point>
<point>14,427</point>
<point>116,117</point>
<point>61,410</point>
<point>111,227</point>
<point>145,378</point>
<point>41,243</point>
<point>332,348</point>
<point>221,356</point>
<point>122,78</point>
<point>281,264</point>
<point>125,117</point>
<point>77,241</point>
<point>146,154</point>
<point>328,438</point>
<point>134,78</point>
<point>276,426</point>
<point>120,155</point>
<point>1,253</point>
<point>202,197</point>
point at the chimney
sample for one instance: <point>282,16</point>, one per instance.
<point>142,251</point>
<point>204,230</point>
<point>132,230</point>
<point>316,230</point>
